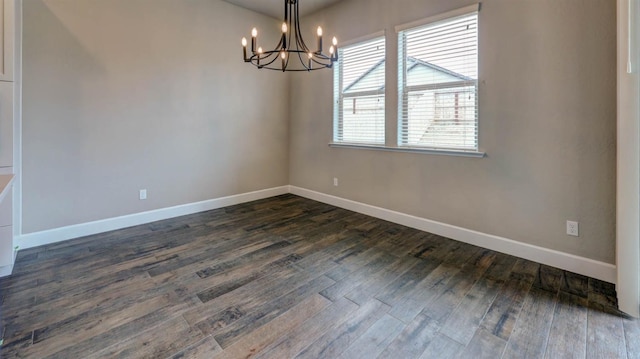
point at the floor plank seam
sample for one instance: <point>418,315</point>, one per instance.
<point>555,305</point>
<point>518,319</point>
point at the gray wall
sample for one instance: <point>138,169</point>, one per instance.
<point>127,94</point>
<point>547,123</point>
<point>121,95</point>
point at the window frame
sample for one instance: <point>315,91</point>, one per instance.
<point>392,119</point>
<point>405,90</point>
<point>339,96</point>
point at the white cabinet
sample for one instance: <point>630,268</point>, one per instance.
<point>7,35</point>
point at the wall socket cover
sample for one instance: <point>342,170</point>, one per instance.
<point>572,228</point>
<point>143,194</point>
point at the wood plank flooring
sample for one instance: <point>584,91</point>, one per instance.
<point>288,277</point>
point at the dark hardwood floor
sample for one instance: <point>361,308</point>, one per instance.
<point>288,277</point>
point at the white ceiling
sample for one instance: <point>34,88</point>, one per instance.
<point>275,8</point>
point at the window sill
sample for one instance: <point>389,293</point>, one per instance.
<point>428,151</point>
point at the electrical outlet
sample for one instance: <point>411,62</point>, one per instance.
<point>572,228</point>
<point>335,181</point>
<point>143,194</point>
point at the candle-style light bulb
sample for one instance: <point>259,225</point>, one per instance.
<point>310,57</point>
<point>283,55</point>
<point>259,54</point>
<point>319,39</point>
<point>334,41</point>
<point>284,35</point>
<point>254,36</point>
<point>331,50</point>
<point>244,48</point>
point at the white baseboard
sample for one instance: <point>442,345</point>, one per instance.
<point>585,266</point>
<point>86,229</point>
<point>6,270</point>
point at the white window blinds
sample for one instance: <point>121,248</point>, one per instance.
<point>359,85</point>
<point>438,84</point>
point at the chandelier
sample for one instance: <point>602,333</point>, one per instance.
<point>293,53</point>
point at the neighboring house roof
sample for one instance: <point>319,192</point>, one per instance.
<point>412,64</point>
<point>378,67</point>
<point>415,62</point>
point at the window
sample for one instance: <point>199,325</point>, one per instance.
<point>359,93</point>
<point>438,83</point>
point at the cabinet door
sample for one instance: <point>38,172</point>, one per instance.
<point>6,124</point>
<point>7,29</point>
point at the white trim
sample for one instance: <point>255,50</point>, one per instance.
<point>566,261</point>
<point>365,38</point>
<point>627,175</point>
<point>17,122</point>
<point>443,16</point>
<point>55,235</point>
<point>570,262</point>
<point>423,150</point>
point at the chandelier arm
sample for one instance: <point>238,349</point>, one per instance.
<point>291,24</point>
<point>299,42</point>
<point>294,70</point>
<point>302,61</point>
<point>286,10</point>
<point>320,62</point>
<point>299,38</point>
<point>267,55</point>
<point>280,43</point>
<point>286,64</point>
